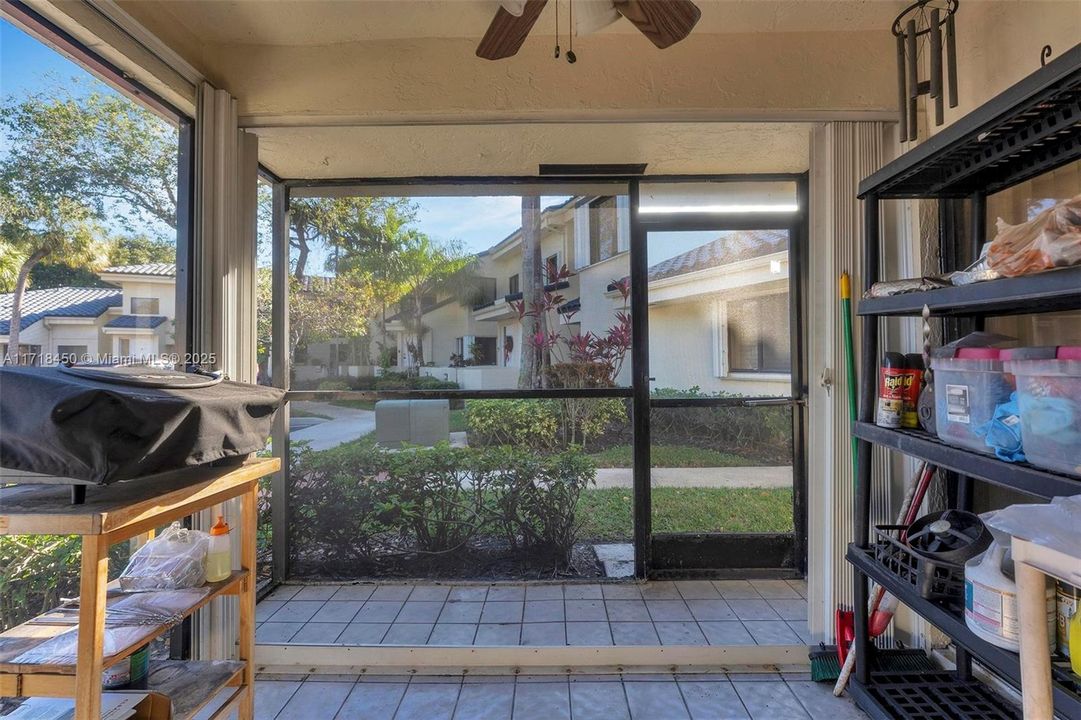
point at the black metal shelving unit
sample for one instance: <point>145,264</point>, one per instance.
<point>1031,128</point>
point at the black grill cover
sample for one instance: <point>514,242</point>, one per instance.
<point>102,425</point>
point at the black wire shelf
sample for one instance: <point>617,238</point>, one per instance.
<point>1005,664</point>
<point>1018,476</point>
<point>1051,291</point>
<point>1029,129</point>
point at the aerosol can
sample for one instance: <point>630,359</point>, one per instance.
<point>991,596</point>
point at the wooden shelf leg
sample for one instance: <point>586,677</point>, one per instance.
<point>249,519</point>
<point>1035,655</point>
<point>93,579</point>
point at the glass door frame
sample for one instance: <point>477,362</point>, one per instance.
<point>659,554</point>
<point>653,554</point>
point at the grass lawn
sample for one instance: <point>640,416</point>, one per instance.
<point>606,512</point>
<point>355,404</point>
<point>670,456</point>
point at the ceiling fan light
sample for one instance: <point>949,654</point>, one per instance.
<point>514,7</point>
<point>593,15</point>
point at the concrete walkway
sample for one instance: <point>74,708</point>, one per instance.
<point>779,476</point>
<point>345,424</point>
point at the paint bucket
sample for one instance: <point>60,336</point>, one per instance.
<point>131,672</point>
<point>1067,600</point>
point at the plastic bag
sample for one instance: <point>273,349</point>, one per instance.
<point>1049,240</point>
<point>175,559</point>
<point>1056,524</point>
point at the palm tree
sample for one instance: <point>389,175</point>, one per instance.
<point>425,269</point>
<point>531,371</point>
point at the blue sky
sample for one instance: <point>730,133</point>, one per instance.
<point>28,66</point>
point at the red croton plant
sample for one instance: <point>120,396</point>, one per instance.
<point>579,360</point>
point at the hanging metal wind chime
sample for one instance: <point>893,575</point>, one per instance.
<point>926,25</point>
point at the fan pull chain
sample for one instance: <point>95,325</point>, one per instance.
<point>557,30</point>
<point>571,57</point>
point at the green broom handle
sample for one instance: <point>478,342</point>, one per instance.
<point>850,361</point>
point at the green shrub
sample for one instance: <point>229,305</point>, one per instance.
<point>436,495</point>
<point>542,424</point>
<point>403,381</point>
<point>546,491</point>
<point>332,385</point>
<point>521,423</point>
<point>762,434</point>
<point>583,419</point>
<point>427,382</point>
<point>358,504</point>
<point>36,571</point>
<point>336,506</point>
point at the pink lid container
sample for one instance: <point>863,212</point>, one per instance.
<point>977,353</point>
<point>1069,352</point>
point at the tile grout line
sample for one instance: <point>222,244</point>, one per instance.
<point>457,697</point>
<point>683,697</point>
<point>282,708</point>
<point>696,622</point>
<point>398,707</point>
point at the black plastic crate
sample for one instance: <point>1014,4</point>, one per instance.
<point>937,696</point>
<point>942,582</point>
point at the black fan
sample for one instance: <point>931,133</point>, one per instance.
<point>950,536</point>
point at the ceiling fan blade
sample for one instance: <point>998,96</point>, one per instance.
<point>664,22</point>
<point>506,33</point>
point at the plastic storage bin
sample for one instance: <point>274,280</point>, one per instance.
<point>1049,397</point>
<point>967,390</point>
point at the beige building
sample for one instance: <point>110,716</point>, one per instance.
<point>134,319</point>
<point>718,311</point>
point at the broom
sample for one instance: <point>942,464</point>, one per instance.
<point>914,493</point>
<point>825,663</point>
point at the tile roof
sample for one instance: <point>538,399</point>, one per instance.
<point>158,269</point>
<point>731,247</point>
<point>136,321</point>
<point>58,302</point>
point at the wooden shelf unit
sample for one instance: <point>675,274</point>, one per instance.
<point>114,514</point>
<point>1030,129</point>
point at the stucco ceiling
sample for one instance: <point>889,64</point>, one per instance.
<point>325,22</point>
<point>512,149</point>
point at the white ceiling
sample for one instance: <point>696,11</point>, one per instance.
<point>327,22</point>
<point>513,149</point>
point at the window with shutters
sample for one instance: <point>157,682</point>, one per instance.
<point>758,339</point>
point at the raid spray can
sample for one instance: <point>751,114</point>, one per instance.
<point>910,416</point>
<point>891,391</point>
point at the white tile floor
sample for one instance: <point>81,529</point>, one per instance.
<point>763,696</point>
<point>682,612</point>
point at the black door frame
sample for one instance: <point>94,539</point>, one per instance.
<point>742,553</point>
<point>685,554</point>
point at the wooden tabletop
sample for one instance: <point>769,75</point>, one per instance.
<point>47,509</point>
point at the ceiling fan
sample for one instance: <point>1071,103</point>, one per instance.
<point>664,22</point>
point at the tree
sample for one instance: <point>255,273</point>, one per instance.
<point>140,250</point>
<point>37,222</point>
<point>530,374</point>
<point>370,246</point>
<point>340,225</point>
<point>320,309</point>
<point>114,155</point>
<point>133,250</point>
<point>70,163</point>
<point>423,270</point>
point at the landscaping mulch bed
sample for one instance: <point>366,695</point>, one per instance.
<point>482,559</point>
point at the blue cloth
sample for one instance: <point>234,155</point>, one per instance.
<point>1002,433</point>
